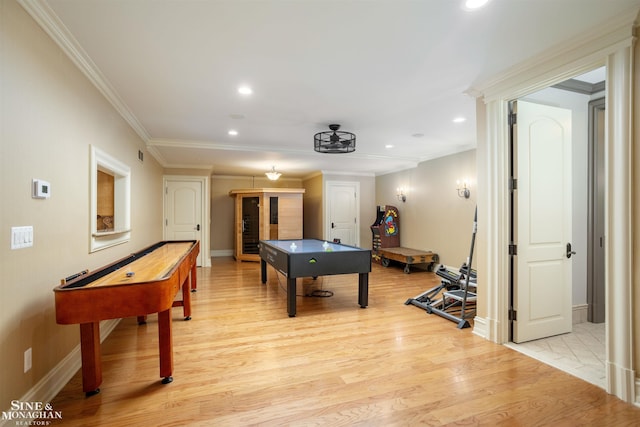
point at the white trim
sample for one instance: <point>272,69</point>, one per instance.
<point>619,278</point>
<point>493,219</point>
<point>42,13</point>
<point>54,381</point>
<point>480,327</point>
<point>101,161</point>
<point>206,218</point>
<point>614,50</point>
<point>579,314</point>
<point>582,53</point>
<point>346,173</point>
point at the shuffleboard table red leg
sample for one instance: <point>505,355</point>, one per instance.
<point>194,281</point>
<point>186,297</point>
<point>91,364</point>
<point>165,346</point>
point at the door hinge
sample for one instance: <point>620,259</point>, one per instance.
<point>512,119</point>
<point>166,222</point>
<point>166,190</point>
<point>513,249</point>
<point>513,184</point>
<point>513,315</point>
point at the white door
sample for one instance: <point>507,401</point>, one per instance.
<point>542,288</point>
<point>343,212</point>
<point>183,212</point>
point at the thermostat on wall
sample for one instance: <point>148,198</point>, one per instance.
<point>41,189</point>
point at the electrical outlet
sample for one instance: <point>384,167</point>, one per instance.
<point>27,360</point>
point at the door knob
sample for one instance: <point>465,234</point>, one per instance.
<point>569,251</point>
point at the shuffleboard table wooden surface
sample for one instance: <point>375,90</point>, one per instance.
<point>143,283</point>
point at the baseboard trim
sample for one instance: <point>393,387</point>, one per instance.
<point>51,384</point>
<point>580,313</point>
<point>622,383</point>
<point>222,253</point>
<point>480,327</point>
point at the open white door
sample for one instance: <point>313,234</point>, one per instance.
<point>184,211</point>
<point>542,294</point>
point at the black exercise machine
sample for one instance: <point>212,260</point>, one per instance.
<point>456,301</point>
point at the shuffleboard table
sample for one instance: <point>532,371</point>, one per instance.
<point>313,258</point>
<point>143,283</point>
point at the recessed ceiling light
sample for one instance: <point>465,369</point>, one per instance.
<point>418,135</point>
<point>245,90</point>
<point>389,146</point>
<point>233,132</point>
<point>459,120</point>
<point>474,4</point>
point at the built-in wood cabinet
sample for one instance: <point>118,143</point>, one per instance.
<point>265,214</point>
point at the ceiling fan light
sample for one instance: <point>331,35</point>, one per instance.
<point>334,141</point>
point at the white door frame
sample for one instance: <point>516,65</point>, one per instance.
<point>615,51</point>
<point>204,180</point>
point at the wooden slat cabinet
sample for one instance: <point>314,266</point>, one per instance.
<point>265,214</point>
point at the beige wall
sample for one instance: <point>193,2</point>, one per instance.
<point>50,115</point>
<point>434,217</point>
<point>222,206</point>
<point>313,207</point>
<point>635,166</point>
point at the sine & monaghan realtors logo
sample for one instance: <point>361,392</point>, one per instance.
<point>31,413</point>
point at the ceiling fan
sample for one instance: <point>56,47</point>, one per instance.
<point>334,141</point>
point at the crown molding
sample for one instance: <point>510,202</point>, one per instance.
<point>211,145</point>
<point>578,86</point>
<point>562,62</point>
<point>42,13</point>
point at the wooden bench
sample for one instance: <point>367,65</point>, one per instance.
<point>407,257</point>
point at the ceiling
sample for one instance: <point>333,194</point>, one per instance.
<point>394,72</point>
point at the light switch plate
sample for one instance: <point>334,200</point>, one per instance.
<point>21,237</point>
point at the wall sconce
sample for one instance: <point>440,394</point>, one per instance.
<point>273,175</point>
<point>400,195</point>
<point>463,191</point>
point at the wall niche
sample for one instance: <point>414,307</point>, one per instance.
<point>110,212</point>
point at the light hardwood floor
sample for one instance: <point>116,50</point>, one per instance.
<point>242,361</point>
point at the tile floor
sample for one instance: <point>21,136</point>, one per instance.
<point>580,353</point>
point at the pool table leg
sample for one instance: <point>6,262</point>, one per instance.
<point>291,296</point>
<point>263,270</point>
